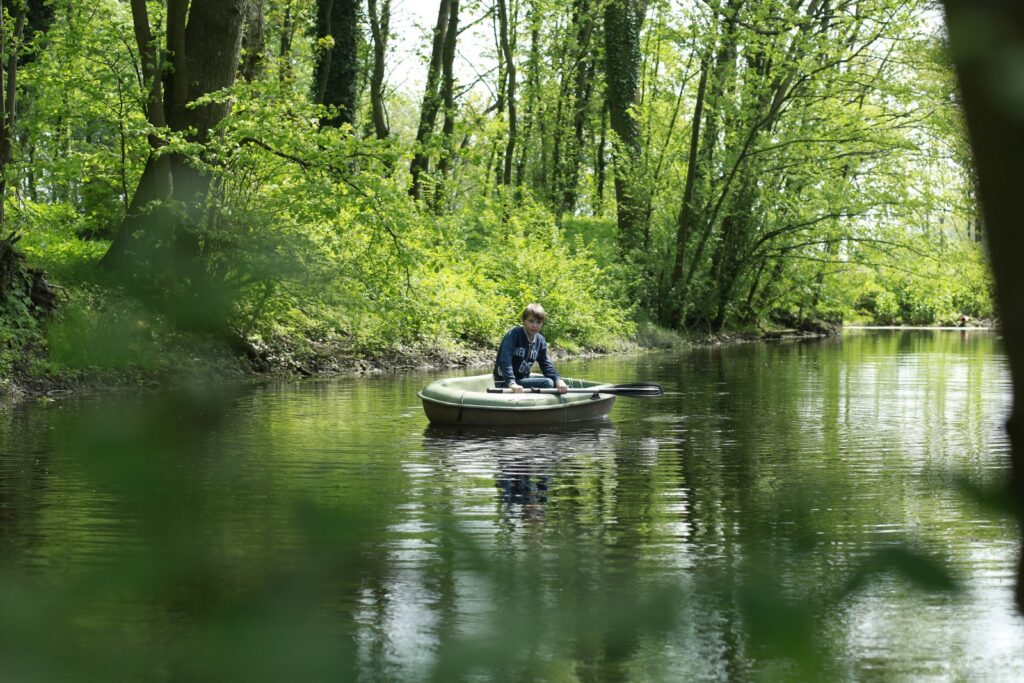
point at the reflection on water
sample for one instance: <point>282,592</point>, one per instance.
<point>786,510</point>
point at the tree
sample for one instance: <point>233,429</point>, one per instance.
<point>996,126</point>
<point>431,102</point>
<point>583,87</point>
<point>510,92</point>
<point>203,44</point>
<point>447,97</point>
<point>254,42</point>
<point>622,22</point>
<point>10,47</point>
<point>285,40</point>
<point>780,81</point>
<point>380,23</point>
<point>573,108</point>
<point>335,75</point>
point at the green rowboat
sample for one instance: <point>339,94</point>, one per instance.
<point>465,401</point>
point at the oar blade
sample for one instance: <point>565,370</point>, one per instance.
<point>640,390</point>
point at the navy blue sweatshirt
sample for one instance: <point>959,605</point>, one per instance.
<point>516,357</point>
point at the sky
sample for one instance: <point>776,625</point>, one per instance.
<point>412,23</point>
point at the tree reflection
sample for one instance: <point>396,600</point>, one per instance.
<point>784,511</point>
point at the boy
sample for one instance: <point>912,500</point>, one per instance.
<point>520,348</point>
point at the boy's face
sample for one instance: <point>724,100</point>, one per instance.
<point>532,325</point>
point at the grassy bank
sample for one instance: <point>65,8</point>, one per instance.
<point>420,303</point>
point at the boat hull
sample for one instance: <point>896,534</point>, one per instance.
<point>465,401</point>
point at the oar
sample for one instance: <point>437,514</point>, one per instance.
<point>640,390</point>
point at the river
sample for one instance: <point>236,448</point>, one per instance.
<point>813,510</point>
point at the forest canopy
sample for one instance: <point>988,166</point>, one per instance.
<point>251,171</point>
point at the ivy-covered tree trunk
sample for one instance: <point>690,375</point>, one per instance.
<point>254,42</point>
<point>284,44</point>
<point>336,71</point>
<point>583,84</point>
<point>622,23</point>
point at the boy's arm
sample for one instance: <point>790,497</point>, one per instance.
<point>546,366</point>
<point>505,358</point>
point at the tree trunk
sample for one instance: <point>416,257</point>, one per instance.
<point>583,78</point>
<point>254,42</point>
<point>622,23</point>
<point>996,130</point>
<point>150,57</point>
<point>532,85</point>
<point>431,100</point>
<point>284,51</point>
<point>336,72</point>
<point>727,258</point>
<point>204,43</point>
<point>176,78</point>
<point>600,160</point>
<point>558,143</point>
<point>510,70</point>
<point>673,305</point>
<point>380,26</point>
<point>448,102</point>
<point>212,44</point>
<point>9,99</point>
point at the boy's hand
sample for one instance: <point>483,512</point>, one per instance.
<point>516,389</point>
<point>562,387</point>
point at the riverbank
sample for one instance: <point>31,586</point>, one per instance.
<point>35,376</point>
<point>116,352</point>
<point>190,360</point>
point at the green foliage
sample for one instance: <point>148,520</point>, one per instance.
<point>19,330</point>
<point>80,113</point>
<point>838,204</point>
<point>531,261</point>
<point>941,284</point>
<point>113,337</point>
<point>318,239</point>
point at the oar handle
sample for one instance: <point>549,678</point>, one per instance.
<point>641,390</point>
<point>540,390</point>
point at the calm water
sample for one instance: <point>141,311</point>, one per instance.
<point>796,511</point>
